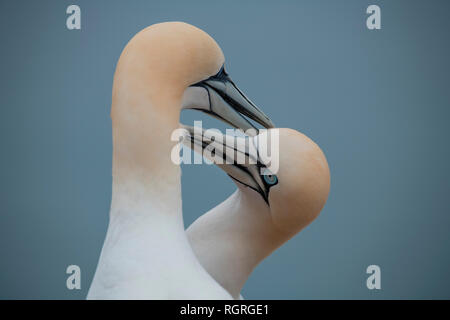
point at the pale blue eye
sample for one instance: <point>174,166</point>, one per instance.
<point>270,179</point>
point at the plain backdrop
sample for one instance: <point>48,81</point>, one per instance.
<point>376,101</point>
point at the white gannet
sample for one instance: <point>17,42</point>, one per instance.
<point>231,239</point>
<point>146,253</point>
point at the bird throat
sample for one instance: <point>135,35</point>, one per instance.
<point>144,177</point>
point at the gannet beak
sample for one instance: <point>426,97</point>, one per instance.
<point>221,98</point>
<point>239,157</point>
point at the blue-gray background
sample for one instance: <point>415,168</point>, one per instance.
<point>377,102</point>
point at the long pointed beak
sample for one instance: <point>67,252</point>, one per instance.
<point>221,98</point>
<point>237,156</point>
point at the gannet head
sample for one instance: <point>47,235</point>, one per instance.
<point>177,62</point>
<point>296,194</point>
<point>303,182</point>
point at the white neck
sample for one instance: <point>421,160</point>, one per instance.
<point>146,184</point>
<point>146,254</point>
<point>231,239</point>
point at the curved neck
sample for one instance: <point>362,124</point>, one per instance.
<point>144,177</point>
<point>233,238</point>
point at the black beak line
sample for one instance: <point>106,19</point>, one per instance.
<point>229,104</point>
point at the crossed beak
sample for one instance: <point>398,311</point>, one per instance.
<point>219,97</point>
<point>237,156</point>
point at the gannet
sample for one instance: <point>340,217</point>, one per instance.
<point>264,212</point>
<point>146,253</point>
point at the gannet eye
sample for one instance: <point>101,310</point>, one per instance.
<point>270,179</point>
